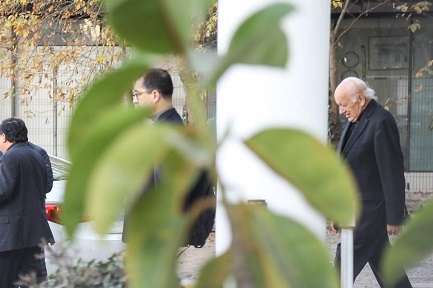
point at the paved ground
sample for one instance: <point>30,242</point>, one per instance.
<point>192,260</point>
<point>420,276</point>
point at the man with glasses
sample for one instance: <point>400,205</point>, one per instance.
<point>370,144</point>
<point>23,223</point>
<point>155,89</point>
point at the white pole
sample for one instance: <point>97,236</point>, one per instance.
<point>253,98</point>
<point>346,258</point>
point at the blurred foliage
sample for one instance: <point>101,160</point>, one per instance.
<point>206,35</point>
<point>76,273</point>
<point>411,246</point>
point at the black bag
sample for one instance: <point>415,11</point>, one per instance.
<point>203,225</point>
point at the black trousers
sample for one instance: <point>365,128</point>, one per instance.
<point>20,262</point>
<point>370,251</point>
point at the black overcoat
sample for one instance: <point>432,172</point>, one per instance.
<point>374,155</point>
<point>23,184</point>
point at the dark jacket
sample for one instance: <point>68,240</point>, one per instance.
<point>374,155</point>
<point>41,151</point>
<point>23,185</point>
<point>169,116</point>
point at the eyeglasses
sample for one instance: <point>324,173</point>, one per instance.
<point>136,94</point>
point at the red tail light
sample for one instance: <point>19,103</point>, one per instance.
<point>53,213</point>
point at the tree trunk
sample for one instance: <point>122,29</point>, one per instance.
<point>333,122</point>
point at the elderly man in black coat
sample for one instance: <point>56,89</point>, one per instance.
<point>370,144</point>
<point>23,223</point>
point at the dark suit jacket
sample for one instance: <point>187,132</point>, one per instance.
<point>172,117</point>
<point>41,151</point>
<point>169,116</point>
<point>374,155</point>
<point>23,184</point>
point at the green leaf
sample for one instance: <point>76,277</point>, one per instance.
<point>95,139</point>
<point>413,28</point>
<point>215,272</point>
<point>254,44</point>
<point>156,228</point>
<point>207,65</point>
<point>124,170</point>
<point>180,16</point>
<point>411,246</point>
<point>157,26</point>
<point>313,168</point>
<point>273,251</point>
<point>153,243</point>
<point>144,26</point>
<point>104,94</point>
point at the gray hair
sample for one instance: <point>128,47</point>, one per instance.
<point>361,86</point>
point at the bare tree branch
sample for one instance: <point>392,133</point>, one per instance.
<point>364,13</point>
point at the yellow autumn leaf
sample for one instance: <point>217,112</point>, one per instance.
<point>420,88</point>
<point>101,58</point>
<point>79,4</point>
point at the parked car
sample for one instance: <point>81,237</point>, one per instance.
<point>86,243</point>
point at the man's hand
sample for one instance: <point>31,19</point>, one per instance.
<point>393,229</point>
<point>333,228</point>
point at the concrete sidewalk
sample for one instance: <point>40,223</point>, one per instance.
<point>193,259</point>
<point>420,276</point>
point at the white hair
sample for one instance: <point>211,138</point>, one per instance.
<point>361,86</point>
